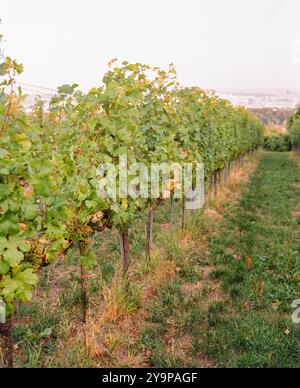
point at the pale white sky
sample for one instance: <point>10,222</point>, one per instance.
<point>228,45</point>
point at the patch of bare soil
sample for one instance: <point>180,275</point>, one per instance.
<point>296,214</point>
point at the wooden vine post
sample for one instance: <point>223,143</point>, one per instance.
<point>171,215</point>
<point>6,344</point>
<point>43,213</point>
<point>149,234</point>
<point>124,247</point>
<point>84,298</point>
<point>84,245</point>
<point>211,184</point>
<point>215,183</point>
<point>83,281</point>
<point>183,213</point>
<point>226,175</point>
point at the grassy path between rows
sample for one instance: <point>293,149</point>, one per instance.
<point>237,312</point>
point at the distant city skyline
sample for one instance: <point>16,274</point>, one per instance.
<point>279,100</point>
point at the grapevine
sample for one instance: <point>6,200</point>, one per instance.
<point>49,160</point>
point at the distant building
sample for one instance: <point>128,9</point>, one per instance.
<point>285,100</point>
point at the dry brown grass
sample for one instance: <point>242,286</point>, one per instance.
<point>165,272</point>
<point>295,156</point>
<point>116,324</point>
<point>214,215</point>
<point>239,177</point>
<point>231,192</point>
<point>186,238</point>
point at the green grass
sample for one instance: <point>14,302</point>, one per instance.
<point>37,338</point>
<point>256,258</point>
<point>258,331</point>
<point>252,339</point>
<point>263,229</point>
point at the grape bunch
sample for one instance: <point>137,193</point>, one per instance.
<point>35,256</point>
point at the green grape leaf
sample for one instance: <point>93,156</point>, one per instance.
<point>31,211</point>
<point>13,256</point>
<point>4,267</point>
<point>9,287</point>
<point>27,277</point>
<point>88,261</point>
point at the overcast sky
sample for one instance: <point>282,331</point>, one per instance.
<point>227,45</point>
